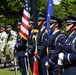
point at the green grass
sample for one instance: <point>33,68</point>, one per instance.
<point>7,72</point>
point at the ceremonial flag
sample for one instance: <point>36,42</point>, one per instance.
<point>35,65</point>
<point>50,12</point>
<point>24,31</point>
<point>34,14</point>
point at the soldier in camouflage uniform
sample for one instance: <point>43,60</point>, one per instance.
<point>3,42</point>
<point>11,41</point>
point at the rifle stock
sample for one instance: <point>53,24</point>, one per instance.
<point>29,69</point>
<point>60,70</point>
<point>47,70</point>
<point>15,63</point>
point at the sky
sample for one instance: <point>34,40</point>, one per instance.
<point>56,1</point>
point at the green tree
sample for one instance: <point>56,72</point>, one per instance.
<point>11,10</point>
<point>42,6</point>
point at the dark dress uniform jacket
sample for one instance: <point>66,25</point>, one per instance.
<point>42,44</point>
<point>30,45</point>
<point>20,53</point>
<point>69,60</point>
<point>30,42</point>
<point>41,48</point>
<point>55,47</point>
<point>20,46</point>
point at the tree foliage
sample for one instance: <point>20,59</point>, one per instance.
<point>42,6</point>
<point>68,7</point>
<point>11,10</point>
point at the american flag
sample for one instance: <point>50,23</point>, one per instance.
<point>24,30</point>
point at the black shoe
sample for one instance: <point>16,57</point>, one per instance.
<point>2,65</point>
<point>0,60</point>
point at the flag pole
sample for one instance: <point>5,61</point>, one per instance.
<point>50,12</point>
<point>15,63</point>
<point>60,70</point>
<point>35,19</point>
<point>35,65</point>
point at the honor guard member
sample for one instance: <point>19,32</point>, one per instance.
<point>3,42</point>
<point>20,48</point>
<point>11,41</point>
<point>67,58</point>
<point>41,45</point>
<point>54,45</point>
<point>30,43</point>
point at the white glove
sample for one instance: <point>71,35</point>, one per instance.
<point>46,64</point>
<point>26,54</point>
<point>61,56</point>
<point>35,59</point>
<point>60,62</point>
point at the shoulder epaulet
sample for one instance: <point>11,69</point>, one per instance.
<point>46,31</point>
<point>43,35</point>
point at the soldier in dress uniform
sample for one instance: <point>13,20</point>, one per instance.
<point>11,41</point>
<point>41,45</point>
<point>20,48</point>
<point>30,43</point>
<point>67,58</point>
<point>54,45</point>
<point>3,42</point>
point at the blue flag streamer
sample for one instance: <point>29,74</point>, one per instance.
<point>50,11</point>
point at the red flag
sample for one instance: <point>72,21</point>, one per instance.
<point>24,31</point>
<point>35,67</point>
